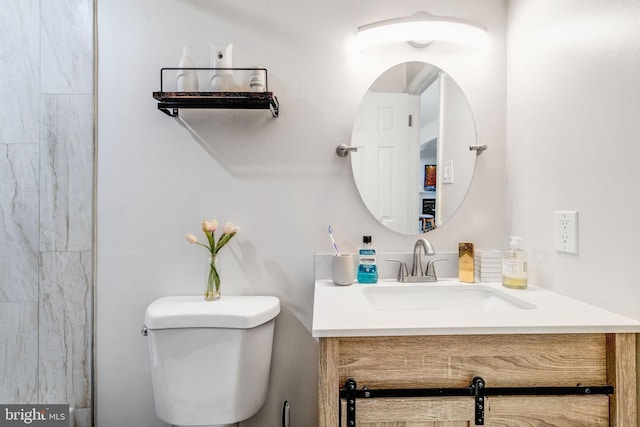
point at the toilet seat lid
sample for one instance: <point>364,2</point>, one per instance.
<point>230,311</point>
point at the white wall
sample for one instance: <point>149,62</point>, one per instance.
<point>279,179</point>
<point>572,143</point>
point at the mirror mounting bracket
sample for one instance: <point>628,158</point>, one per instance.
<point>343,150</point>
<point>478,148</point>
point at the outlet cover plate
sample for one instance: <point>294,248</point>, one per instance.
<point>566,232</point>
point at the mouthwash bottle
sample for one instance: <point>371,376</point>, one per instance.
<point>367,268</point>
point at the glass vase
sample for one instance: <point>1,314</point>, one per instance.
<point>212,284</point>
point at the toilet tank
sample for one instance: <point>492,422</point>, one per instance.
<point>210,360</point>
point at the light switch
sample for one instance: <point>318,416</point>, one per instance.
<point>447,172</point>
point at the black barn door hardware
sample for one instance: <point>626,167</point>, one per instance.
<point>477,389</point>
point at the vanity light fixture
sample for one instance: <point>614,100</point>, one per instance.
<point>420,29</point>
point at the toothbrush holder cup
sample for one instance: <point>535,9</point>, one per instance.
<point>342,271</point>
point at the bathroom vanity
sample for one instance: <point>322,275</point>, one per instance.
<point>451,354</point>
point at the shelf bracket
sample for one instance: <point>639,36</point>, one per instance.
<point>274,107</point>
<point>172,113</point>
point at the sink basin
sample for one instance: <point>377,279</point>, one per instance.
<point>440,297</point>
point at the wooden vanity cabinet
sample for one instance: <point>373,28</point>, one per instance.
<point>528,360</point>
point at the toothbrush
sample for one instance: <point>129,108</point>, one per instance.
<point>333,241</point>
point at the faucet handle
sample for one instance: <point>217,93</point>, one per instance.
<point>403,271</point>
<point>431,270</point>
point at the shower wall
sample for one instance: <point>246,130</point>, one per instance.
<point>46,203</point>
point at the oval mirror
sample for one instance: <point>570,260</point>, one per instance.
<point>413,129</point>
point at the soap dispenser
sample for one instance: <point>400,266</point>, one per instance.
<point>367,268</point>
<point>186,79</point>
<point>514,265</point>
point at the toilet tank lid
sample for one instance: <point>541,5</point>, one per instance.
<point>230,311</point>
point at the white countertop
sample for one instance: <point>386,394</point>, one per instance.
<point>342,311</point>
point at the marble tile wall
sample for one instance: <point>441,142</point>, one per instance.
<point>20,71</point>
<point>46,204</point>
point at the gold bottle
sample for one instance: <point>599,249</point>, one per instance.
<point>465,262</point>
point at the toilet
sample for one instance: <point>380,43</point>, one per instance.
<point>210,360</point>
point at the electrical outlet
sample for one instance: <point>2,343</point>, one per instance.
<point>566,232</point>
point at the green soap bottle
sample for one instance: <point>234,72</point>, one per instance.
<point>367,268</point>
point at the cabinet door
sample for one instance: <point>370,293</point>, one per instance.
<point>413,412</point>
<point>502,411</point>
<point>561,411</point>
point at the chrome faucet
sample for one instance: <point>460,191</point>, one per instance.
<point>418,274</point>
<point>416,269</point>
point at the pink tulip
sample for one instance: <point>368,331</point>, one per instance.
<point>230,228</point>
<point>209,226</point>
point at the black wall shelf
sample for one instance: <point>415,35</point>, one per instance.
<point>171,102</point>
